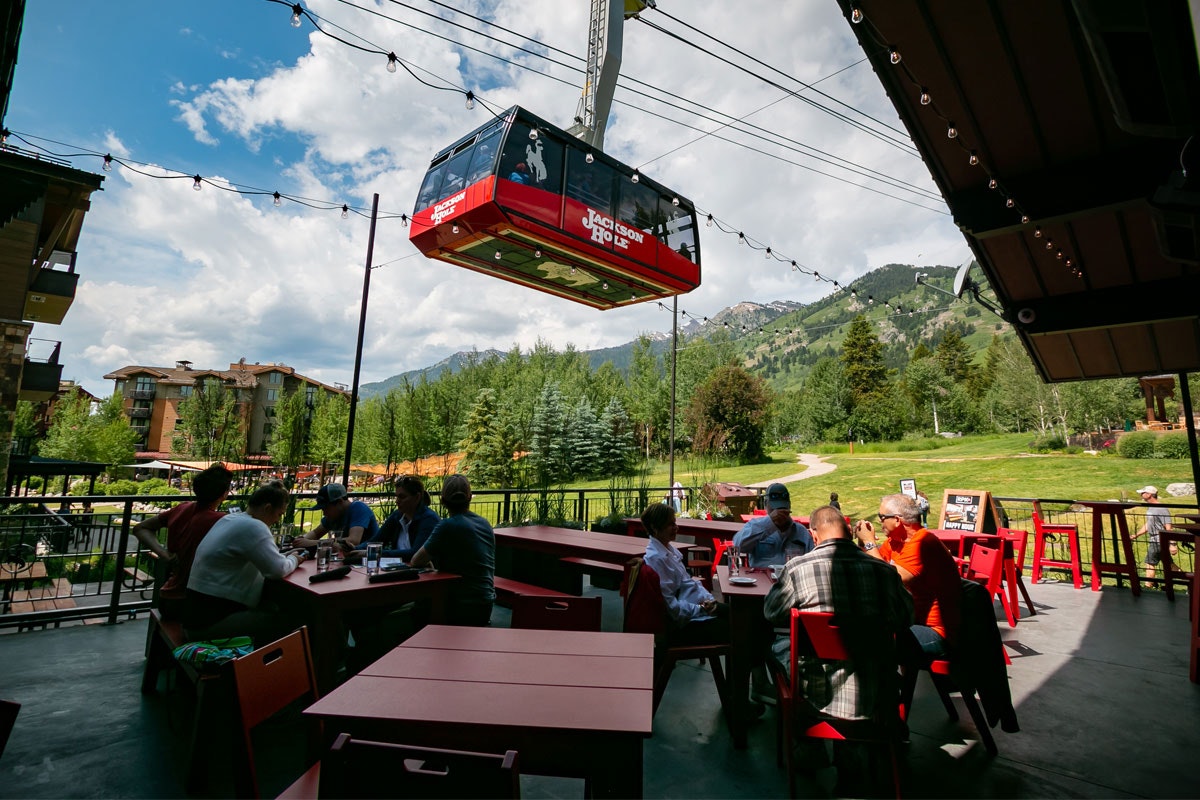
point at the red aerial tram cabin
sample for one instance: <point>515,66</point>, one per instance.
<point>527,202</point>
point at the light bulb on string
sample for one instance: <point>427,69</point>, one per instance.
<point>795,267</point>
<point>1058,254</point>
<point>108,162</point>
<point>856,15</point>
<point>196,180</point>
<point>925,99</point>
<point>278,199</point>
<point>894,56</point>
<point>951,131</point>
<point>345,211</point>
<point>974,159</point>
<point>604,286</point>
<point>1009,202</point>
<point>533,133</point>
<point>709,221</point>
<point>767,254</point>
<point>853,294</point>
<point>992,183</point>
<point>404,220</point>
<point>1049,244</point>
<point>296,13</point>
<point>499,255</point>
<point>636,177</point>
<point>391,65</point>
<point>470,100</point>
<point>870,300</point>
<point>589,158</point>
<point>1024,219</point>
<point>454,229</point>
<point>741,238</point>
<point>816,275</point>
<point>537,252</point>
<point>675,202</point>
<point>1037,232</point>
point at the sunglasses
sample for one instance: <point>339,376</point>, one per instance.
<point>882,517</point>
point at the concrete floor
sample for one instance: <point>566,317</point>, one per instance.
<point>1099,681</point>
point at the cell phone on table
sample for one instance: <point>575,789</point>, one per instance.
<point>394,567</point>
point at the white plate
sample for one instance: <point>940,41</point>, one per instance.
<point>742,581</point>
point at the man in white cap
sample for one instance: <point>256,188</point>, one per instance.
<point>1158,519</point>
<point>775,538</point>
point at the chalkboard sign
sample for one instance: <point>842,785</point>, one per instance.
<point>968,510</point>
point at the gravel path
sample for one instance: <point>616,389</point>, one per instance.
<point>815,466</point>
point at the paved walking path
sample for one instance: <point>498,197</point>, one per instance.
<point>815,466</point>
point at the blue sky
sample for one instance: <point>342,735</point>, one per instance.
<point>229,90</point>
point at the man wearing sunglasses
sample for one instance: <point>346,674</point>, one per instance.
<point>926,568</point>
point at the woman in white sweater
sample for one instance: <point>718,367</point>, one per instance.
<point>224,590</point>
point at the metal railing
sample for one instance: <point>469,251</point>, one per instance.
<point>93,568</point>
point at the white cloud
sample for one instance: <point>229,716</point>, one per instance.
<point>212,276</point>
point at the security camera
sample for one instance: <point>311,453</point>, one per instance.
<point>1026,316</point>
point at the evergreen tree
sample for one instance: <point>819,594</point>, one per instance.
<point>649,394</point>
<point>548,451</point>
<point>954,357</point>
<point>825,403</point>
<point>487,449</point>
<point>619,450</point>
<point>585,440</point>
<point>862,360</point>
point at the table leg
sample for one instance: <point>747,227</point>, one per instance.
<point>1010,577</point>
<point>1097,546</point>
<point>744,616</point>
<point>1127,546</point>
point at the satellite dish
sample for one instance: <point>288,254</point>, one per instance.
<point>960,279</point>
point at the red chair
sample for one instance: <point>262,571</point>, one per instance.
<point>645,611</point>
<point>986,568</point>
<point>265,682</point>
<point>941,670</point>
<point>1018,540</point>
<point>1042,530</point>
<point>556,613</point>
<point>814,634</point>
<point>719,548</point>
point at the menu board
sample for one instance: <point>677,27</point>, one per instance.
<point>908,486</point>
<point>968,510</point>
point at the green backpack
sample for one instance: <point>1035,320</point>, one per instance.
<point>208,656</point>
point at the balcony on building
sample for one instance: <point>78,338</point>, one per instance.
<point>40,376</point>
<point>52,291</point>
<point>139,413</point>
<point>143,394</point>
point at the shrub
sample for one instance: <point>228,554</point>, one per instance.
<point>1047,444</point>
<point>153,486</point>
<point>1172,445</point>
<point>123,487</point>
<point>1137,445</point>
<point>612,523</point>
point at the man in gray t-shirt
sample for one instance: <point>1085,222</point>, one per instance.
<point>1158,519</point>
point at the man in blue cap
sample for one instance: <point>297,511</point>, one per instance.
<point>352,522</point>
<point>775,538</point>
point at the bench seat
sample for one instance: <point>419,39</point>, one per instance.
<point>603,574</point>
<point>507,588</point>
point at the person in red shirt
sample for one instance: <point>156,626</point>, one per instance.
<point>187,524</point>
<point>926,568</point>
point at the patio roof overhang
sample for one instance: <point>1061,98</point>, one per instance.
<point>1080,208</point>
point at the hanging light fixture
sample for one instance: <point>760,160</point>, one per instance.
<point>297,11</point>
<point>470,100</point>
<point>278,199</point>
<point>196,180</point>
<point>391,65</point>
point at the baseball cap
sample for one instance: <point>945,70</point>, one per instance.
<point>1147,490</point>
<point>329,494</point>
<point>778,497</point>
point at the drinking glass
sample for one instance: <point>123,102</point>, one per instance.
<point>734,558</point>
<point>374,553</point>
<point>323,558</point>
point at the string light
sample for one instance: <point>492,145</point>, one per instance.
<point>499,255</point>
<point>345,211</point>
<point>470,101</point>
<point>925,99</point>
<point>675,202</point>
<point>767,254</point>
<point>636,176</point>
<point>108,162</point>
<point>454,229</point>
<point>537,252</point>
<point>589,158</point>
<point>533,133</point>
<point>278,199</point>
<point>391,65</point>
<point>297,11</point>
<point>709,223</point>
<point>196,181</point>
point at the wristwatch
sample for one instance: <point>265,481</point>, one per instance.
<point>869,545</point>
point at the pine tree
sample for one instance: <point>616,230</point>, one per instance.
<point>548,439</point>
<point>618,451</point>
<point>585,441</point>
<point>862,360</point>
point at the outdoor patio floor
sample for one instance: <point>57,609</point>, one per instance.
<point>1100,682</point>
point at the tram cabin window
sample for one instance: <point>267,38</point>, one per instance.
<point>456,172</point>
<point>430,189</point>
<point>484,157</point>
<point>533,162</point>
<point>590,184</point>
<point>642,207</point>
<point>680,229</point>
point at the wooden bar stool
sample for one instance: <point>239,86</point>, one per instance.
<point>1043,529</point>
<point>1123,558</point>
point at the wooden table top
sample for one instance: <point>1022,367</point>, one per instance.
<point>515,694</point>
<point>516,640</point>
<point>584,543</point>
<point>355,582</point>
<point>762,582</point>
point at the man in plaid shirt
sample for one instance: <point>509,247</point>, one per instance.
<point>871,606</point>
